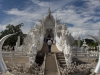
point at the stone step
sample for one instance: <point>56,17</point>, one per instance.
<point>62,65</point>
<point>59,54</point>
<point>60,57</point>
<point>62,62</point>
<point>51,73</point>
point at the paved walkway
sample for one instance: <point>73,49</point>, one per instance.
<point>50,67</point>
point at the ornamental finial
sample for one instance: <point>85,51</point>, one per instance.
<point>49,11</point>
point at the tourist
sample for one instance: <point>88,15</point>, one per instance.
<point>52,40</point>
<point>49,45</point>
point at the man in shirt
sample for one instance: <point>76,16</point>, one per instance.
<point>49,45</point>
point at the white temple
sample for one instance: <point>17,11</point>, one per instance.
<point>49,28</point>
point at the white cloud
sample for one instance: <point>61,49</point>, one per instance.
<point>81,18</point>
<point>93,4</point>
<point>2,27</point>
<point>41,3</point>
<point>78,16</point>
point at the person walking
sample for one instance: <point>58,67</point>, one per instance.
<point>52,40</point>
<point>49,45</point>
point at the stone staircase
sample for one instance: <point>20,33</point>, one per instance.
<point>61,59</point>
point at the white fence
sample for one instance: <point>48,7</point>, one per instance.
<point>86,54</point>
<point>75,54</point>
<point>14,54</point>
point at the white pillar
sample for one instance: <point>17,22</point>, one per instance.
<point>78,42</point>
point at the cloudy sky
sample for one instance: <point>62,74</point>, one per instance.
<point>82,16</point>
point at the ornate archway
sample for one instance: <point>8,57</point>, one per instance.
<point>49,33</point>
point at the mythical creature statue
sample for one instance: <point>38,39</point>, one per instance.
<point>36,42</point>
<point>64,42</point>
<point>32,54</point>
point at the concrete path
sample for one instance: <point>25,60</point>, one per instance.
<point>50,66</point>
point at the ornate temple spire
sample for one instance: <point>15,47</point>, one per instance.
<point>49,11</point>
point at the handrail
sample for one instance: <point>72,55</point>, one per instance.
<point>57,64</point>
<point>44,63</point>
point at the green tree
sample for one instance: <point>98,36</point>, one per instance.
<point>76,42</point>
<point>91,42</point>
<point>13,29</point>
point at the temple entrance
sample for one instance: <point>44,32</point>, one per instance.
<point>49,34</point>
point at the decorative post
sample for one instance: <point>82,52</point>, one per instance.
<point>78,42</point>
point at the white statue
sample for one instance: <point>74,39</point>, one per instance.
<point>65,43</point>
<point>32,54</point>
<point>84,47</point>
<point>67,50</point>
<point>64,35</point>
<point>35,34</point>
<point>3,67</point>
<point>17,44</point>
<point>36,42</point>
